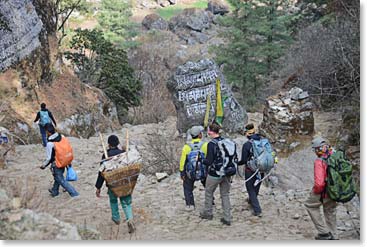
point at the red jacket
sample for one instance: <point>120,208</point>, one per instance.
<point>320,175</point>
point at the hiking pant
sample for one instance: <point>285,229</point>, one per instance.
<point>125,203</point>
<point>188,187</point>
<point>224,187</point>
<point>43,135</point>
<point>313,205</point>
<point>253,191</point>
<point>59,179</point>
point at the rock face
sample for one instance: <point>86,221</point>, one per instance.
<point>217,7</point>
<point>287,116</point>
<point>19,30</point>
<point>154,21</point>
<point>191,84</point>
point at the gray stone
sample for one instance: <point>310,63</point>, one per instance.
<point>199,36</point>
<point>192,19</point>
<point>294,145</point>
<point>154,21</point>
<point>295,92</point>
<point>161,175</point>
<point>218,7</point>
<point>190,86</point>
<point>296,216</point>
<point>303,95</point>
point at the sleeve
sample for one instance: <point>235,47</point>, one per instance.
<point>37,117</point>
<point>52,117</point>
<point>319,176</point>
<point>209,159</point>
<point>100,181</point>
<point>185,151</point>
<point>245,155</point>
<point>204,148</point>
<point>50,154</point>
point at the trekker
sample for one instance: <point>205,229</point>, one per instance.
<point>59,155</point>
<point>317,197</point>
<point>126,201</point>
<point>44,116</point>
<point>212,160</point>
<point>247,155</point>
<point>188,182</point>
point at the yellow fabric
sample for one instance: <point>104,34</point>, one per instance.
<point>186,150</point>
<point>206,118</point>
<point>219,108</point>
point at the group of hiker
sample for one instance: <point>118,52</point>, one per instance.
<point>214,163</point>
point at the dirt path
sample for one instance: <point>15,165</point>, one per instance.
<point>159,207</point>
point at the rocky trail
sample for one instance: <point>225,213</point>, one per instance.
<point>159,210</point>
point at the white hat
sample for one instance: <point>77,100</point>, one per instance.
<point>196,130</point>
<point>318,141</point>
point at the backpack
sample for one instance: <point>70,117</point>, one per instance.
<point>340,185</point>
<point>263,159</point>
<point>225,163</point>
<point>63,153</point>
<point>194,167</point>
<point>44,118</point>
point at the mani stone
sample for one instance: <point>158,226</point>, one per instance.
<point>190,86</point>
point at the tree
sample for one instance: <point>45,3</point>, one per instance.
<point>113,19</point>
<point>256,36</point>
<point>98,62</point>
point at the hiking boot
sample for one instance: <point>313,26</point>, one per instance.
<point>189,208</point>
<point>225,222</point>
<point>257,214</point>
<point>206,217</point>
<point>324,236</point>
<point>131,226</point>
<point>117,222</point>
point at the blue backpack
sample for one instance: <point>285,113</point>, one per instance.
<point>263,159</point>
<point>194,167</point>
<point>44,118</point>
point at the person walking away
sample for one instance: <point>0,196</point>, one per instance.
<point>59,154</point>
<point>212,161</point>
<point>126,201</point>
<point>250,176</point>
<point>317,197</point>
<point>191,160</point>
<point>44,116</point>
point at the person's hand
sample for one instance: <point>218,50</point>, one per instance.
<point>98,193</point>
<point>42,167</point>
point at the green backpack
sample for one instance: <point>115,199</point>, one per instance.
<point>340,185</point>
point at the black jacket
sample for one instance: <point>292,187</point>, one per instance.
<point>110,152</point>
<point>247,149</point>
<point>211,156</point>
<point>49,114</point>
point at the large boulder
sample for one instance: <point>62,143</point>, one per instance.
<point>192,19</point>
<point>287,117</point>
<point>154,21</point>
<point>191,84</point>
<point>218,7</point>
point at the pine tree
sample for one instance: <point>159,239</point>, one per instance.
<point>256,36</point>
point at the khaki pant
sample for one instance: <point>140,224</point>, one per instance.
<point>313,205</point>
<point>224,187</point>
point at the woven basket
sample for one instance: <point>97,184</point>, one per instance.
<point>121,181</point>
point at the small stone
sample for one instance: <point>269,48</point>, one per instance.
<point>296,216</point>
<point>16,203</point>
<point>161,175</point>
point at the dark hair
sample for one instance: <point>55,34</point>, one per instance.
<point>249,126</point>
<point>113,140</point>
<point>50,128</point>
<point>43,106</point>
<point>215,127</point>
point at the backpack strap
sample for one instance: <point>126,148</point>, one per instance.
<point>196,145</point>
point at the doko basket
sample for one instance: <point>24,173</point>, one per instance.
<point>121,181</point>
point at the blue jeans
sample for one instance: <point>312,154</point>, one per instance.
<point>43,134</point>
<point>253,191</point>
<point>125,203</point>
<point>59,179</point>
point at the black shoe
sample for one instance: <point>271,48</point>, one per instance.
<point>52,193</point>
<point>324,236</point>
<point>257,214</point>
<point>228,223</point>
<point>206,217</point>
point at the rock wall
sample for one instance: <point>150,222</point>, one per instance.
<point>19,30</point>
<point>288,116</point>
<point>191,84</point>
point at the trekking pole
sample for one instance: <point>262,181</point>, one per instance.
<point>103,146</point>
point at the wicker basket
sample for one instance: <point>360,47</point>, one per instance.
<point>121,181</point>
